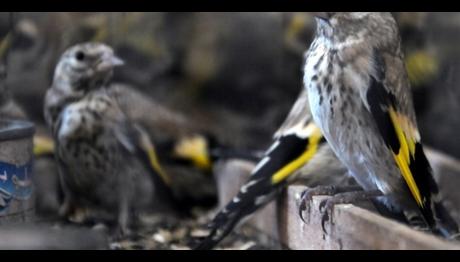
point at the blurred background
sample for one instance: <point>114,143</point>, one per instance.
<point>236,75</point>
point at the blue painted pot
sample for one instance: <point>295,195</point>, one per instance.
<point>16,170</point>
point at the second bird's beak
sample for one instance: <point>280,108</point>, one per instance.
<point>116,61</point>
<point>109,62</point>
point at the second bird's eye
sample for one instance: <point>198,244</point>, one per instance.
<point>80,56</point>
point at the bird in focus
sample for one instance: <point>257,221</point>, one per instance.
<point>298,153</point>
<point>106,162</point>
<point>359,95</point>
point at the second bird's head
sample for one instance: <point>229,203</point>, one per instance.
<point>377,27</point>
<point>85,67</point>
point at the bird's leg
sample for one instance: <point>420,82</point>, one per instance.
<point>123,219</point>
<point>65,208</point>
<point>307,196</point>
<point>68,205</point>
<point>327,206</point>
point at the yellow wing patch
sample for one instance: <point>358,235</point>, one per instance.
<point>194,148</point>
<point>406,151</point>
<point>313,140</point>
<point>156,165</point>
<point>43,145</point>
<point>147,146</point>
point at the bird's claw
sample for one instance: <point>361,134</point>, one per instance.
<point>304,206</point>
<point>307,196</point>
<point>326,207</point>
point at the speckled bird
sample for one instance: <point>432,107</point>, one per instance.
<point>106,162</point>
<point>359,95</point>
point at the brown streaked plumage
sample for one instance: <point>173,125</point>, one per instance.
<point>367,115</point>
<point>106,162</point>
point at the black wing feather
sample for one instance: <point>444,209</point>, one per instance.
<point>258,191</point>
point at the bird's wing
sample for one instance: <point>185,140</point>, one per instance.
<point>176,135</point>
<point>295,144</point>
<point>399,132</point>
<point>137,142</point>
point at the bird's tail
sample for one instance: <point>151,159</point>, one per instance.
<point>221,226</point>
<point>252,196</point>
<point>287,154</point>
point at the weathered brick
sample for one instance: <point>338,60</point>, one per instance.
<point>354,227</point>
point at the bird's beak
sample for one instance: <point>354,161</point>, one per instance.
<point>109,62</point>
<point>116,61</point>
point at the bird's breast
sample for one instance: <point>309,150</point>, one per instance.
<point>319,77</point>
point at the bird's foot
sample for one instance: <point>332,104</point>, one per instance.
<point>326,206</point>
<point>66,208</point>
<point>307,196</point>
<point>122,233</point>
<point>454,237</point>
<point>79,215</point>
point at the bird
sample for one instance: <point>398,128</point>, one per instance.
<point>298,154</point>
<point>359,96</point>
<point>105,161</point>
<point>174,133</point>
<point>185,149</point>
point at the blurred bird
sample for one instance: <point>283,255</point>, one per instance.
<point>175,135</point>
<point>298,153</point>
<point>359,95</point>
<point>186,150</point>
<point>106,162</point>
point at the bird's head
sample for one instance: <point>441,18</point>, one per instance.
<point>85,67</point>
<point>343,26</point>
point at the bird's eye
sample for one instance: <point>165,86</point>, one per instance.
<point>80,56</point>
